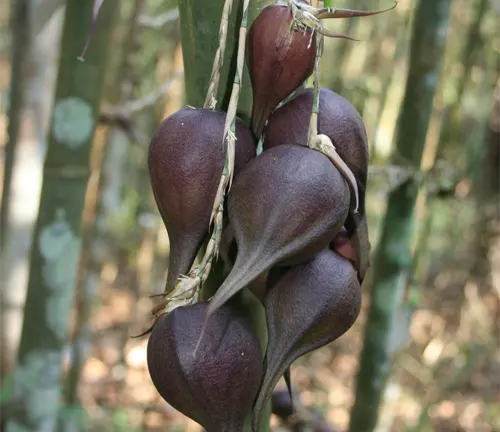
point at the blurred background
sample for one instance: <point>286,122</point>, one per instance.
<point>444,335</point>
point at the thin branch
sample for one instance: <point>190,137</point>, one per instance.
<point>141,104</point>
<point>213,87</point>
<point>188,287</point>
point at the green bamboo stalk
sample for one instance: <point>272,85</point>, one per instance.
<point>200,23</point>
<point>20,25</point>
<point>57,242</point>
<point>393,259</point>
<point>88,280</point>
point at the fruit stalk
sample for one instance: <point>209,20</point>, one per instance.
<point>230,126</point>
<point>213,87</point>
<point>333,12</point>
<point>321,142</point>
<point>230,137</point>
<point>187,290</point>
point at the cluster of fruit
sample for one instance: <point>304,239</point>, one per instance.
<point>292,229</point>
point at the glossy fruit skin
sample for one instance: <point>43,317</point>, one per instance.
<point>337,118</point>
<point>310,306</point>
<point>185,162</point>
<point>279,60</point>
<point>217,387</point>
<point>286,205</point>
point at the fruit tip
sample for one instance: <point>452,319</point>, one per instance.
<point>144,333</point>
<point>202,332</point>
<point>329,34</point>
<point>288,381</point>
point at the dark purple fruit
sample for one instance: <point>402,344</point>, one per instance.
<point>285,206</point>
<point>185,161</point>
<point>312,305</point>
<point>337,118</point>
<point>279,60</point>
<point>217,387</point>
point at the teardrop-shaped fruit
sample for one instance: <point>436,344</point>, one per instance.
<point>312,305</point>
<point>285,206</point>
<point>342,123</point>
<point>185,161</point>
<point>217,387</point>
<point>279,59</point>
<point>337,118</point>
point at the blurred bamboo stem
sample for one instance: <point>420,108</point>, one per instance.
<point>57,238</point>
<point>40,75</point>
<point>200,22</point>
<point>393,257</point>
<point>388,77</point>
<point>89,271</point>
<point>450,121</point>
<point>20,25</point>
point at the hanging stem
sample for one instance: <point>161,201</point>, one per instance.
<point>213,87</point>
<point>321,142</point>
<point>230,138</point>
<point>188,288</point>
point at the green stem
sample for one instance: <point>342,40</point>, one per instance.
<point>200,23</point>
<point>393,259</point>
<point>57,236</point>
<point>200,20</point>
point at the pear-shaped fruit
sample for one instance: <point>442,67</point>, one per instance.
<point>312,305</point>
<point>342,123</point>
<point>286,205</point>
<point>217,387</point>
<point>185,161</point>
<point>279,59</point>
<point>337,118</point>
